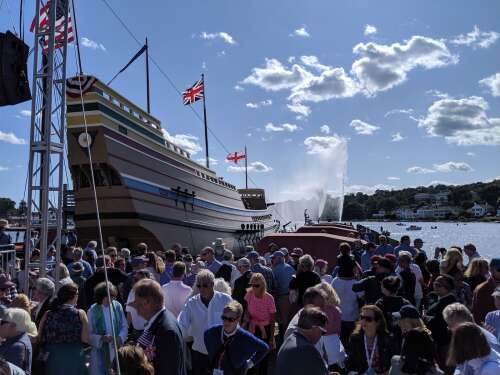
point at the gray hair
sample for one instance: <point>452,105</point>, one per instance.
<point>307,262</point>
<point>243,262</point>
<point>78,253</point>
<point>205,276</point>
<point>458,313</point>
<point>45,286</point>
<point>125,253</point>
<point>220,285</point>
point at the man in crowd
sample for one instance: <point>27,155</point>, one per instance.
<point>256,267</point>
<point>228,270</point>
<point>78,257</point>
<point>43,293</point>
<point>384,247</point>
<point>372,285</point>
<point>242,283</point>
<point>298,355</point>
<point>166,275</point>
<point>370,251</point>
<point>176,292</point>
<point>283,274</point>
<point>418,244</point>
<point>405,246</point>
<point>208,256</point>
<point>5,238</point>
<point>482,300</point>
<point>471,252</point>
<point>162,338</point>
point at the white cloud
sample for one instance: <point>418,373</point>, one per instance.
<point>263,103</point>
<point>225,37</point>
<point>397,137</point>
<point>453,166</point>
<point>301,109</point>
<point>270,127</point>
<point>313,62</point>
<point>212,161</point>
<point>420,170</point>
<point>24,113</point>
<point>381,67</point>
<point>11,138</point>
<point>470,153</point>
<point>476,38</point>
<point>318,145</point>
<point>186,141</point>
<point>302,32</point>
<point>238,88</point>
<point>437,94</point>
<point>363,128</point>
<point>403,111</point>
<point>256,166</point>
<point>325,129</point>
<point>438,182</point>
<point>88,43</point>
<point>370,30</point>
<point>3,169</point>
<point>462,122</point>
<point>392,178</point>
<point>492,83</point>
<point>365,189</point>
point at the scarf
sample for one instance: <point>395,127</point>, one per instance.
<point>99,325</point>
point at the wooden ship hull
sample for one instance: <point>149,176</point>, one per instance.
<point>148,189</point>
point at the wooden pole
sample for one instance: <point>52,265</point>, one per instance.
<point>205,120</point>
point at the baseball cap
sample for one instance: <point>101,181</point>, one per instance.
<point>277,253</point>
<point>243,262</point>
<point>139,260</point>
<point>375,258</point>
<point>284,250</point>
<point>252,254</point>
<point>390,257</point>
<point>407,312</point>
<point>297,252</point>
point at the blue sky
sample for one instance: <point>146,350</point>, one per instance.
<point>410,89</point>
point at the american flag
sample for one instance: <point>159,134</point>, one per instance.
<point>194,93</point>
<point>60,22</point>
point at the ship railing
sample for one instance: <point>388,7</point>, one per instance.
<point>8,260</point>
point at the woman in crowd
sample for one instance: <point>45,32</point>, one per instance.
<point>469,350</point>
<point>371,346</point>
<point>409,318</point>
<point>16,328</point>
<point>64,277</point>
<point>477,272</point>
<point>321,268</point>
<point>22,302</point>
<point>231,349</point>
<point>334,348</point>
<point>417,355</point>
<point>433,268</point>
<point>133,318</point>
<point>133,361</point>
<point>304,279</point>
<point>492,320</point>
<point>105,319</point>
<point>62,333</point>
<point>155,265</point>
<point>260,315</point>
<point>222,286</point>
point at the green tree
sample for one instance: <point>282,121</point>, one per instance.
<point>7,205</point>
<point>353,211</point>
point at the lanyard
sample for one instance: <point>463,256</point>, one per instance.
<point>225,346</point>
<point>369,358</point>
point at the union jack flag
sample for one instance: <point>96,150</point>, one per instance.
<point>194,93</point>
<point>43,24</point>
<point>236,156</point>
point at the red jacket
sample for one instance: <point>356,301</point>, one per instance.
<point>482,301</point>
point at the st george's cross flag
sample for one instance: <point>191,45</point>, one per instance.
<point>43,24</point>
<point>235,157</point>
<point>194,93</point>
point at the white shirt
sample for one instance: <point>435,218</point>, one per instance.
<point>138,322</point>
<point>195,318</point>
<point>348,298</point>
<point>176,294</point>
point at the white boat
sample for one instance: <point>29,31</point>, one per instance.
<point>414,227</point>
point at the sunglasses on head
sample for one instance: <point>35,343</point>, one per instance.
<point>228,319</point>
<point>203,286</point>
<point>367,319</point>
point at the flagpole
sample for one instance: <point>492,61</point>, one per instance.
<point>147,76</point>
<point>246,168</point>
<point>205,120</point>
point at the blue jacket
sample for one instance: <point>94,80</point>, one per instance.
<point>243,347</point>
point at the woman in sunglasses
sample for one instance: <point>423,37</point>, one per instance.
<point>231,349</point>
<point>371,346</point>
<point>260,315</point>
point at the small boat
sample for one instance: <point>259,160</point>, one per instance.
<point>401,224</point>
<point>414,227</point>
<point>434,227</point>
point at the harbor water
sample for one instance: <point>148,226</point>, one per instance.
<point>485,236</point>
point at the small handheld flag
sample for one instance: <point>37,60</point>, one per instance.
<point>194,93</point>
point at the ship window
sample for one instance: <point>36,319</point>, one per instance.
<point>104,175</point>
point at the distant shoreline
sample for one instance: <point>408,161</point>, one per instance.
<point>479,220</point>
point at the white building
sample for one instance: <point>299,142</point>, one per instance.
<point>405,214</point>
<point>438,198</point>
<point>379,215</point>
<point>435,212</point>
<point>480,210</point>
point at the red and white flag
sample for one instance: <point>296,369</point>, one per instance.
<point>43,24</point>
<point>236,157</point>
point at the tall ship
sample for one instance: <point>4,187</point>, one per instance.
<point>149,189</point>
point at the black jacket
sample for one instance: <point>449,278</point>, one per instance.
<point>302,281</point>
<point>408,283</point>
<point>225,272</point>
<point>356,357</point>
<point>371,286</point>
<point>115,276</point>
<point>36,318</point>
<point>435,321</point>
<point>168,345</point>
<point>240,288</point>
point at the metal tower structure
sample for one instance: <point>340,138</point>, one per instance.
<point>47,135</point>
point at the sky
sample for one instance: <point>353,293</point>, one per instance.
<point>408,93</point>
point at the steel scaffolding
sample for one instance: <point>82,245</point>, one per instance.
<point>47,137</point>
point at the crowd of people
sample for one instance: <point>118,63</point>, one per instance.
<point>379,310</point>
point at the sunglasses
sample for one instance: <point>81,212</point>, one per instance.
<point>437,285</point>
<point>228,319</point>
<point>366,318</point>
<point>199,286</point>
<point>3,322</point>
